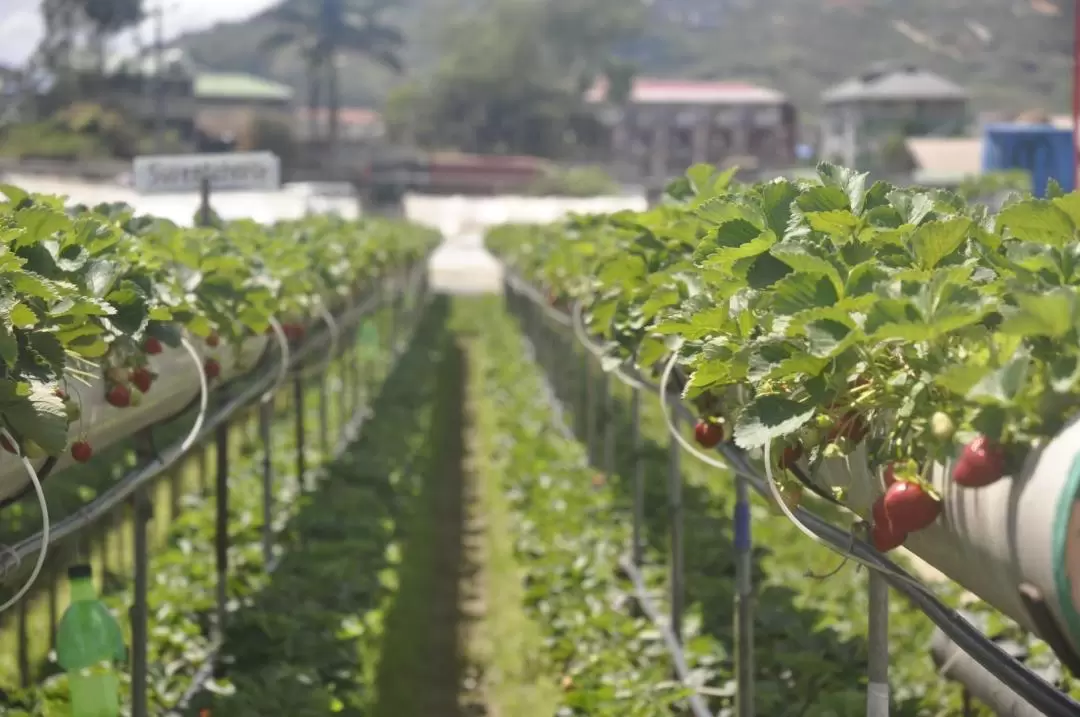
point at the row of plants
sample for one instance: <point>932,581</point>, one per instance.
<point>810,630</point>
<point>817,317</point>
<point>182,592</point>
<point>589,643</point>
<point>98,291</point>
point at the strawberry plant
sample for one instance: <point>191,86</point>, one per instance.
<point>603,660</point>
<point>846,314</point>
<point>100,289</point>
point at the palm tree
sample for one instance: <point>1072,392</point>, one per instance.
<point>325,31</point>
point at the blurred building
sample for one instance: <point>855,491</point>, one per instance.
<point>866,114</point>
<point>356,125</point>
<point>229,103</point>
<point>664,126</point>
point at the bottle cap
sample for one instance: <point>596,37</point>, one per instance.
<point>77,572</point>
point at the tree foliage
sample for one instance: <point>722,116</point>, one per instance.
<point>323,32</point>
<point>111,16</point>
<point>512,78</point>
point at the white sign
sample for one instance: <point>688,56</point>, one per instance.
<point>243,171</point>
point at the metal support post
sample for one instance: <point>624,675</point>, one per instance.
<point>140,628</point>
<point>266,415</point>
<point>221,532</point>
<point>301,448</point>
<point>676,517</point>
<point>609,426</point>
<point>877,687</point>
<point>590,408</point>
<point>324,419</point>
<point>637,549</point>
<point>744,602</point>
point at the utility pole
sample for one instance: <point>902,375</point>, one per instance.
<point>159,78</point>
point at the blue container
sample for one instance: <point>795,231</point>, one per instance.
<point>1043,151</point>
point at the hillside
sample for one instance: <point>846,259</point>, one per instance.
<point>1012,54</point>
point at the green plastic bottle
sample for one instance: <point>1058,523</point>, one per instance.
<point>89,643</point>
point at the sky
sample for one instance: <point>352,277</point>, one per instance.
<point>21,28</point>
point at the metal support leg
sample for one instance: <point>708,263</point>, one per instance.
<point>25,677</point>
<point>204,471</point>
<point>221,533</point>
<point>324,419</point>
<point>744,602</point>
<point>140,628</point>
<point>637,549</point>
<point>343,390</point>
<point>301,448</point>
<point>54,609</point>
<point>877,688</point>
<point>676,517</point>
<point>175,491</point>
<point>590,408</point>
<point>266,414</point>
<point>609,427</point>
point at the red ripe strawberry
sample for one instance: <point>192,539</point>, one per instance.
<point>81,451</point>
<point>708,434</point>
<point>152,345</point>
<point>790,456</point>
<point>141,378</point>
<point>119,395</point>
<point>212,369</point>
<point>885,537</point>
<point>981,463</point>
<point>213,340</point>
<point>909,507</point>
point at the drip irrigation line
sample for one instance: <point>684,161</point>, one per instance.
<point>1028,685</point>
<point>641,594</point>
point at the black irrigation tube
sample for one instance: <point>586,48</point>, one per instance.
<point>1025,683</point>
<point>127,485</point>
<point>641,594</point>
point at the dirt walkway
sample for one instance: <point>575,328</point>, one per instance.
<point>425,668</point>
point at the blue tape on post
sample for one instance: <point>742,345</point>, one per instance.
<point>742,526</point>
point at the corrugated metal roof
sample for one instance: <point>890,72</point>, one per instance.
<point>235,85</point>
<point>905,83</point>
<point>647,91</point>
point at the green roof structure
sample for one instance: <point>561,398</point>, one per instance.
<point>239,86</point>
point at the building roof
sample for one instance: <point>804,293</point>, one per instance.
<point>951,156</point>
<point>646,91</point>
<point>239,86</point>
<point>895,83</point>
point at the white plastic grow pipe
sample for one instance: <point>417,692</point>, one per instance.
<point>103,425</point>
<point>1022,530</point>
<point>45,525</point>
<point>283,367</point>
